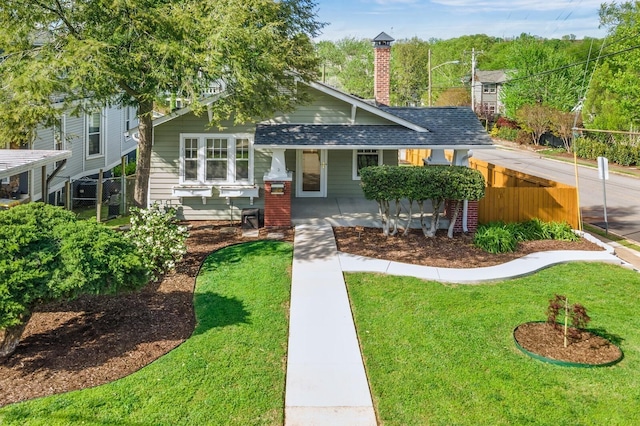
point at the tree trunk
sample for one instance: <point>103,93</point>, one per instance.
<point>454,217</point>
<point>10,337</point>
<point>143,162</point>
<point>435,218</point>
<point>408,227</point>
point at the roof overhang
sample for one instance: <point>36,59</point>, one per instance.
<point>16,161</point>
<point>384,147</point>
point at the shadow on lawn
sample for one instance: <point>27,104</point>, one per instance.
<point>218,311</point>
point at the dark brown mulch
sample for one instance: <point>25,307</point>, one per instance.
<point>95,340</point>
<point>584,348</point>
<point>439,251</point>
<point>98,339</point>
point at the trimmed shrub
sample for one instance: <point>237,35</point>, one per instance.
<point>47,255</point>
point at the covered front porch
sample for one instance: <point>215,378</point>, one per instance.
<point>349,211</point>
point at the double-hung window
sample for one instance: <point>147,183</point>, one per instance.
<point>94,139</point>
<point>364,158</point>
<point>216,159</point>
<point>489,88</point>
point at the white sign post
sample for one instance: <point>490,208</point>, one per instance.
<point>603,174</point>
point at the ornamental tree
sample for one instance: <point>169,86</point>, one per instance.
<point>91,53</point>
<point>49,255</point>
<point>391,184</point>
<point>463,184</point>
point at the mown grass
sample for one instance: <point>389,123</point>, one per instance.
<point>610,236</point>
<point>444,354</point>
<point>230,372</point>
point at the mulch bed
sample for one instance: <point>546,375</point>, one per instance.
<point>585,348</point>
<point>439,251</point>
<point>98,339</point>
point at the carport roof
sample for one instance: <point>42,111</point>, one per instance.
<point>16,161</point>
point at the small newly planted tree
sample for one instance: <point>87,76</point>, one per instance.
<point>575,313</point>
<point>48,255</point>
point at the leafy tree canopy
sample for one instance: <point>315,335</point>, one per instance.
<point>613,102</point>
<point>97,52</point>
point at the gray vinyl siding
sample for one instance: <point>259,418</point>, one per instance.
<point>165,168</point>
<point>75,134</point>
<point>340,182</point>
<point>325,109</point>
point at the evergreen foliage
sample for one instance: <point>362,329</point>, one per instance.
<point>47,255</point>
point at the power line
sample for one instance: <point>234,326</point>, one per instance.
<point>575,64</point>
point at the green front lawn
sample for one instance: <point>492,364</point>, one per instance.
<point>231,371</point>
<point>444,354</point>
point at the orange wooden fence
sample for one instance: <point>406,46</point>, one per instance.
<point>513,196</point>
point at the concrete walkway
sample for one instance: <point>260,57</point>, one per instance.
<point>326,380</point>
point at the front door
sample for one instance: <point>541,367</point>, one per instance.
<point>311,173</point>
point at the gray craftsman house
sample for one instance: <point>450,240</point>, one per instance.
<point>315,151</point>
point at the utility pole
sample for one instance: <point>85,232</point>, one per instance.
<point>473,79</point>
<point>429,71</point>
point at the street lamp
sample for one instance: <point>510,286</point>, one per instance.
<point>437,66</point>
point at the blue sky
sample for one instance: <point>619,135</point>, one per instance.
<point>446,19</point>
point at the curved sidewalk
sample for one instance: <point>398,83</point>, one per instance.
<point>523,266</point>
<point>326,380</point>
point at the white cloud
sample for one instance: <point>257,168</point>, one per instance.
<point>519,5</point>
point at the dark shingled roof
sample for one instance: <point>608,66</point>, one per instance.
<point>450,126</point>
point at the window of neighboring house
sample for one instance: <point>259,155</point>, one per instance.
<point>94,142</point>
<point>58,137</point>
<point>127,118</point>
<point>216,159</point>
<point>364,158</point>
<point>489,107</point>
<point>488,88</point>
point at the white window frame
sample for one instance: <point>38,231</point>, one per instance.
<point>489,107</point>
<point>489,88</point>
<point>59,138</point>
<point>100,134</point>
<point>127,118</point>
<point>202,139</point>
<point>357,152</point>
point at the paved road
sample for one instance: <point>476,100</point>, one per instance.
<point>622,192</point>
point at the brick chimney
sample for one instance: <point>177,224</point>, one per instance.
<point>381,68</point>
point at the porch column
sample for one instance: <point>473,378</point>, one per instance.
<point>277,192</point>
<point>437,157</point>
<point>461,157</point>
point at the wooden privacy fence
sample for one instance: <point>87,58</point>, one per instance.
<point>513,196</point>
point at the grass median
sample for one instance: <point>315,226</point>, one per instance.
<point>230,371</point>
<point>444,354</point>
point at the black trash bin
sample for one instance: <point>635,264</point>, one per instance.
<point>114,205</point>
<point>250,218</point>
